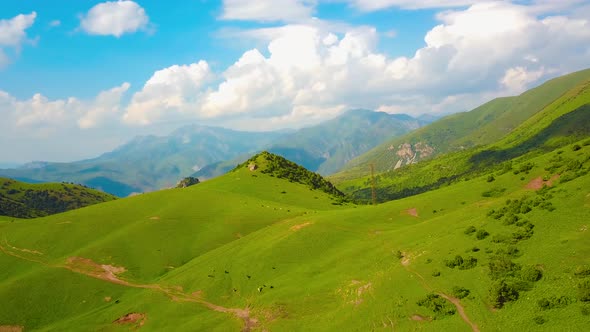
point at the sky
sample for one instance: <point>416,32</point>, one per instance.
<point>78,78</point>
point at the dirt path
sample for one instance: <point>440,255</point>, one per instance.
<point>453,300</point>
<point>110,273</point>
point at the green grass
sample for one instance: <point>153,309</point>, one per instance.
<point>24,200</point>
<point>331,267</point>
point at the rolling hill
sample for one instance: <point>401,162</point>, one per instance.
<point>558,123</point>
<point>252,251</point>
<point>484,125</point>
<point>23,200</point>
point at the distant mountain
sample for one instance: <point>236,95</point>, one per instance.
<point>24,200</point>
<point>328,146</point>
<point>483,125</point>
<point>149,163</point>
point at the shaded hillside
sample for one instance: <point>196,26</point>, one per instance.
<point>23,200</point>
<point>483,125</point>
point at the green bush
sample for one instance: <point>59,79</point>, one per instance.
<point>437,304</point>
<point>436,273</point>
<point>494,192</point>
<point>460,292</point>
<point>501,292</point>
<point>463,264</point>
<point>531,273</point>
<point>576,147</point>
<point>554,302</point>
<point>481,234</point>
<point>539,320</point>
<point>469,230</point>
<point>490,178</point>
<point>582,271</point>
<point>501,267</point>
<point>584,291</point>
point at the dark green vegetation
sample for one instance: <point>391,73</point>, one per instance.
<point>23,200</point>
<point>554,123</point>
<point>187,182</point>
<point>258,249</point>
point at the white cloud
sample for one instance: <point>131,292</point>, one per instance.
<point>268,10</point>
<point>114,18</point>
<point>170,91</point>
<point>13,35</point>
<point>372,5</point>
<point>55,23</point>
<point>106,106</point>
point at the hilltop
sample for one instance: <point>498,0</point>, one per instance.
<point>23,200</point>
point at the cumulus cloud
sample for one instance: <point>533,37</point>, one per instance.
<point>13,34</point>
<point>170,91</point>
<point>268,10</point>
<point>114,18</point>
<point>106,106</point>
<point>372,5</point>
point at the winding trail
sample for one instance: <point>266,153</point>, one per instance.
<point>455,301</point>
<point>110,273</point>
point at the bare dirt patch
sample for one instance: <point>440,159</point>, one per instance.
<point>419,318</point>
<point>412,212</point>
<point>134,318</point>
<point>11,328</point>
<point>93,269</point>
<point>155,218</point>
<point>28,251</point>
<point>300,226</point>
<point>538,183</point>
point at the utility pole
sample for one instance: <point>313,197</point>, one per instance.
<point>373,187</point>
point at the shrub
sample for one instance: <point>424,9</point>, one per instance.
<point>436,273</point>
<point>437,304</point>
<point>576,147</point>
<point>494,192</point>
<point>582,271</point>
<point>481,234</point>
<point>585,310</point>
<point>539,320</point>
<point>501,267</point>
<point>584,291</point>
<point>531,273</point>
<point>553,302</point>
<point>460,292</point>
<point>469,230</point>
<point>463,264</point>
<point>490,178</point>
<point>399,254</point>
<point>501,293</point>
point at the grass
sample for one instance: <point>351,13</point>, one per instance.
<point>297,261</point>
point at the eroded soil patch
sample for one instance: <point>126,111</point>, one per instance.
<point>538,183</point>
<point>300,226</point>
<point>137,319</point>
<point>11,328</point>
<point>412,212</point>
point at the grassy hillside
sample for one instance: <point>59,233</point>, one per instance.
<point>481,126</point>
<point>251,251</point>
<point>23,200</point>
<point>559,123</point>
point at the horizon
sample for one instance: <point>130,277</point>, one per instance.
<point>68,91</point>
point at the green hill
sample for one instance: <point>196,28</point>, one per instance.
<point>252,251</point>
<point>558,123</point>
<point>481,126</point>
<point>23,200</point>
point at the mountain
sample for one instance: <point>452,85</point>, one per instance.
<point>558,122</point>
<point>149,163</point>
<point>328,146</point>
<point>251,251</point>
<point>483,125</point>
<point>23,200</point>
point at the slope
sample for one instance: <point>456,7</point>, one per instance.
<point>311,265</point>
<point>483,125</point>
<point>560,122</point>
<point>23,200</point>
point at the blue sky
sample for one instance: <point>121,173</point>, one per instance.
<point>78,78</point>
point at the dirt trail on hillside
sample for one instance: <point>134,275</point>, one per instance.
<point>453,300</point>
<point>538,183</point>
<point>11,328</point>
<point>109,273</point>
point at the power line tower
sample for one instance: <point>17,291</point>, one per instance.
<point>373,186</point>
